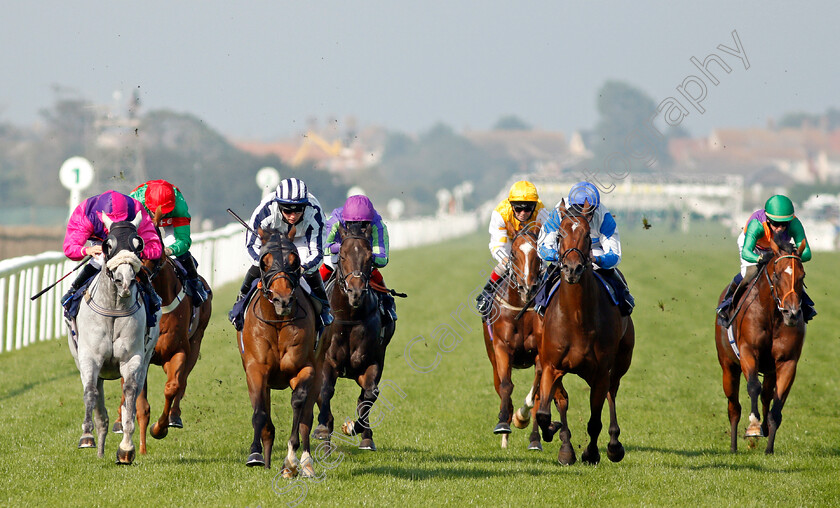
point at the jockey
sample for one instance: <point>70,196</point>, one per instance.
<point>86,232</point>
<point>291,205</point>
<point>776,218</point>
<point>606,244</point>
<point>175,229</point>
<point>522,209</point>
<point>358,210</point>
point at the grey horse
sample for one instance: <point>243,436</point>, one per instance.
<point>111,339</point>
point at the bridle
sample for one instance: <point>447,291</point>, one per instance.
<point>521,284</point>
<point>780,301</point>
<point>343,278</point>
<point>280,267</point>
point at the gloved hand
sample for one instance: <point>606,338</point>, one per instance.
<point>167,251</point>
<point>765,257</point>
<point>599,260</point>
<point>334,248</point>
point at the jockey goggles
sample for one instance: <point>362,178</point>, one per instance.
<point>523,206</point>
<point>292,208</point>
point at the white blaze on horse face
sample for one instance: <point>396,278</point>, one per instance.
<point>788,271</point>
<point>575,225</point>
<point>526,248</point>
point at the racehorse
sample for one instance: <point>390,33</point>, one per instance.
<point>112,336</point>
<point>279,349</point>
<point>356,341</point>
<point>182,327</point>
<point>511,342</point>
<point>767,337</point>
<point>583,334</point>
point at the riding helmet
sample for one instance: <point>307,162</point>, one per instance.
<point>779,208</point>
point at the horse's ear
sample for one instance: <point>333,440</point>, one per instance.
<point>511,231</point>
<point>291,234</point>
<point>342,230</point>
<point>264,235</point>
<point>106,220</point>
<point>587,209</point>
<point>773,245</point>
<point>368,231</point>
<point>802,246</point>
<point>158,215</point>
<point>561,207</point>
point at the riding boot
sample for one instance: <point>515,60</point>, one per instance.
<point>87,272</point>
<point>251,275</point>
<point>808,310</point>
<point>389,306</point>
<point>318,291</point>
<point>484,300</point>
<point>237,312</point>
<point>726,309</point>
<point>626,302</point>
<point>194,286</point>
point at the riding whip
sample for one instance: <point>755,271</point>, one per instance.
<point>81,263</point>
<point>245,224</point>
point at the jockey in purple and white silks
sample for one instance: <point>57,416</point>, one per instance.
<point>606,244</point>
<point>291,205</point>
<point>86,232</point>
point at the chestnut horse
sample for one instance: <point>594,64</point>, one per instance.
<point>182,328</point>
<point>768,334</point>
<point>512,342</point>
<point>356,341</point>
<point>280,349</point>
<point>583,334</point>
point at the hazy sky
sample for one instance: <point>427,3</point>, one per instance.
<point>260,69</point>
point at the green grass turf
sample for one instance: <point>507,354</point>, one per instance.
<point>435,439</point>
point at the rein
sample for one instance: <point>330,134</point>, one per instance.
<point>102,311</point>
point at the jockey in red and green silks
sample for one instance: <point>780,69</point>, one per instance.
<point>359,211</point>
<point>775,219</point>
<point>175,229</point>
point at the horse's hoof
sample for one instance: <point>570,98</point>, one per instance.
<point>307,471</point>
<point>289,473</point>
<point>158,431</point>
<point>348,428</point>
<point>753,432</point>
<point>321,432</point>
<point>535,446</point>
<point>117,429</point>
<point>502,428</point>
<point>566,456</point>
<point>367,444</point>
<point>520,423</point>
<point>615,453</point>
<point>175,421</point>
<point>255,459</point>
<point>87,442</point>
<point>592,458</point>
<point>125,457</point>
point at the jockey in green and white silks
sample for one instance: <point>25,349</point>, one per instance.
<point>776,218</point>
<point>175,229</point>
<point>606,243</point>
<point>291,204</point>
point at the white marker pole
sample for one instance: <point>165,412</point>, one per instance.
<point>76,175</point>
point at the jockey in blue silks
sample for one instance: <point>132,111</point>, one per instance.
<point>606,244</point>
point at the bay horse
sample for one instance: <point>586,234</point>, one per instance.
<point>768,334</point>
<point>182,328</point>
<point>584,334</point>
<point>112,339</point>
<point>356,342</point>
<point>280,349</point>
<point>512,342</point>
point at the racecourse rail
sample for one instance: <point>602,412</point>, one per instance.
<point>221,259</point>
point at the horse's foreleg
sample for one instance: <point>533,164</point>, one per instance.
<point>256,378</point>
<point>548,386</point>
<point>367,398</point>
<point>615,450</point>
<point>143,416</point>
<point>768,391</point>
<point>90,379</point>
<point>133,378</point>
<point>100,418</point>
<point>534,438</point>
<point>785,374</point>
<point>175,369</point>
<point>325,416</point>
<point>566,455</point>
<point>748,366</point>
<point>503,369</point>
<point>597,395</point>
<point>118,423</point>
<point>731,385</point>
<point>301,386</point>
<point>308,384</point>
<point>192,359</point>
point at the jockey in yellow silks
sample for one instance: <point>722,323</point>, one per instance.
<point>521,209</point>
